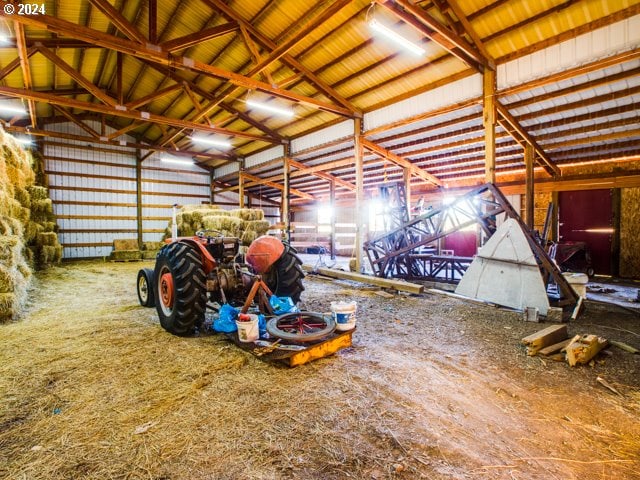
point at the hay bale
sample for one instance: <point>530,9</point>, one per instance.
<point>261,227</point>
<point>198,206</point>
<point>10,250</point>
<point>248,236</point>
<point>32,230</point>
<point>149,254</point>
<point>49,226</point>
<point>22,214</point>
<point>124,244</point>
<point>49,255</point>
<point>223,224</point>
<point>125,255</point>
<point>248,213</point>
<point>152,246</point>
<point>9,307</point>
<point>42,208</point>
<point>22,196</point>
<point>8,279</point>
<point>47,238</point>
<point>37,192</point>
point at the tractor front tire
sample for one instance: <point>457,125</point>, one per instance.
<point>145,288</point>
<point>181,292</point>
<point>285,277</point>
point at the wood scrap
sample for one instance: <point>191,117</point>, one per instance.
<point>555,348</point>
<point>548,336</point>
<point>606,384</point>
<point>383,294</point>
<point>584,349</point>
<point>624,346</point>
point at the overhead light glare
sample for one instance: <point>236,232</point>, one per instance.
<point>23,140</point>
<point>270,108</point>
<point>178,161</point>
<point>12,109</point>
<point>396,38</point>
<point>216,142</point>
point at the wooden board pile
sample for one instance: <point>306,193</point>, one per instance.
<point>553,342</point>
<point>245,223</point>
<point>27,227</point>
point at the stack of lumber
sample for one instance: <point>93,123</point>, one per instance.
<point>245,223</point>
<point>553,342</point>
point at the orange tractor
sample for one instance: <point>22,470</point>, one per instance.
<point>194,272</point>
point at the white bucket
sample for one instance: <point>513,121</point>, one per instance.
<point>344,314</point>
<point>248,331</point>
<point>578,281</point>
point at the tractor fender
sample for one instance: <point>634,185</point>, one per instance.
<point>263,252</point>
<point>208,262</point>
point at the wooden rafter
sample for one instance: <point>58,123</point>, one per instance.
<point>118,20</point>
<point>75,75</point>
<point>124,113</point>
<point>132,126</point>
<point>195,38</point>
<point>260,181</point>
<point>139,102</point>
<point>328,90</point>
<point>452,7</point>
<point>326,176</point>
<point>111,42</point>
<point>26,69</point>
<point>153,21</point>
<point>69,116</point>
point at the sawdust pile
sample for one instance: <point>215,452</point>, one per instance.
<point>245,223</point>
<point>27,227</point>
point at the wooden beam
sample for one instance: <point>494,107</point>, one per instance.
<point>529,185</point>
<point>326,176</point>
<point>26,69</point>
<point>119,21</point>
<point>261,181</point>
<point>399,285</point>
<point>195,38</point>
<point>63,27</point>
<point>398,160</point>
<point>489,123</point>
<point>358,147</point>
<point>81,80</point>
<point>545,161</point>
<point>286,195</point>
<point>444,36</point>
<point>132,126</point>
<point>153,21</point>
<point>139,197</point>
<point>468,29</point>
<point>125,113</point>
<point>241,189</point>
<point>69,116</point>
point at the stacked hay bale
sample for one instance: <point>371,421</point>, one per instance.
<point>150,249</point>
<point>40,233</point>
<point>245,223</point>
<point>15,274</point>
<point>125,250</point>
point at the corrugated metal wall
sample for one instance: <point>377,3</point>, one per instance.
<point>93,189</point>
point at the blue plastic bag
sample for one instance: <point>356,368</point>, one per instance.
<point>282,305</point>
<point>262,325</point>
<point>226,321</point>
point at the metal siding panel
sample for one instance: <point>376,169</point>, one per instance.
<point>264,156</point>
<point>326,135</point>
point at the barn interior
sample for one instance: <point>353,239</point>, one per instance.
<point>461,178</point>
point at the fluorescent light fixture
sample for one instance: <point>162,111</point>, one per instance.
<point>179,161</point>
<point>24,140</point>
<point>396,37</point>
<point>269,108</point>
<point>216,142</point>
<point>12,109</point>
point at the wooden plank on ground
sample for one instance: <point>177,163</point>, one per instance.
<point>399,285</point>
<point>556,347</point>
<point>583,350</point>
<point>544,338</point>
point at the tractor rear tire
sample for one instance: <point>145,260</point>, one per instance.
<point>181,292</point>
<point>285,278</point>
<point>145,288</point>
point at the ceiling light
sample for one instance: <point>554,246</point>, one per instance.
<point>216,142</point>
<point>179,161</point>
<point>12,109</point>
<point>24,140</point>
<point>269,108</point>
<point>396,37</point>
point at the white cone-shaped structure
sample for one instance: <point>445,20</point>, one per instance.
<point>505,272</point>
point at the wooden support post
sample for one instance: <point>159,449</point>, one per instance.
<point>555,199</point>
<point>241,188</point>
<point>489,122</point>
<point>139,197</point>
<point>359,154</point>
<point>286,194</point>
<point>406,175</point>
<point>212,188</point>
<point>529,188</point>
<point>332,206</point>
<point>616,203</point>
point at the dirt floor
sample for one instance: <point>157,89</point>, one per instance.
<point>434,387</point>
